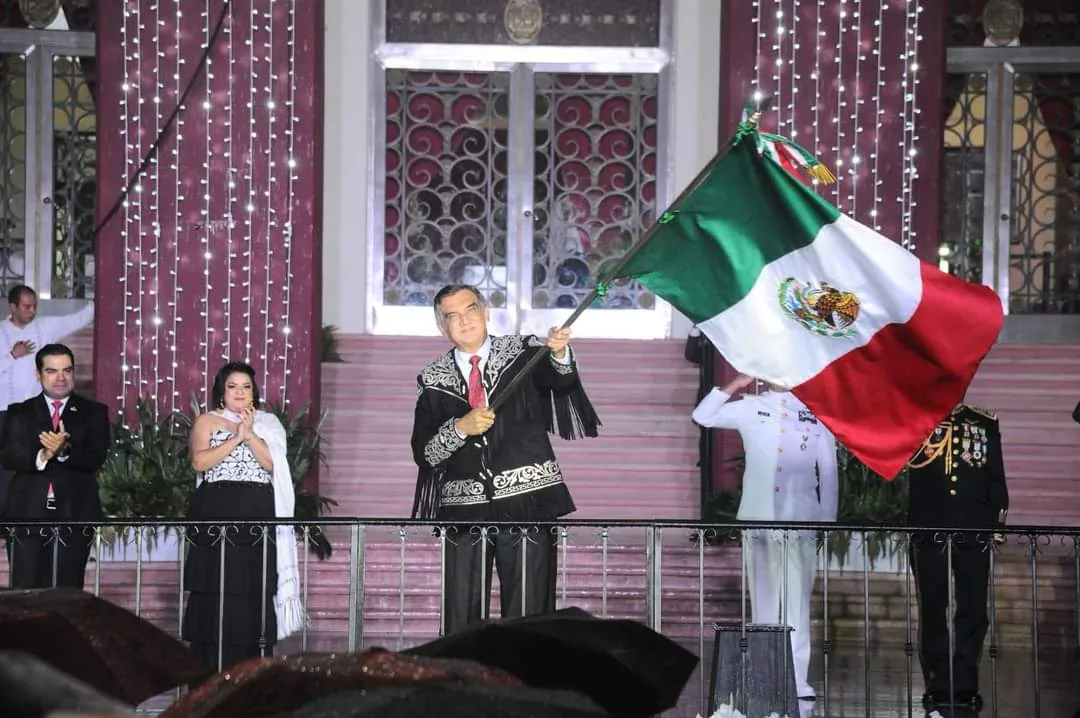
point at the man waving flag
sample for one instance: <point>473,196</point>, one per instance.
<point>878,344</point>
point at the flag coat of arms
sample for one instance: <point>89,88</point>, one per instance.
<point>879,344</point>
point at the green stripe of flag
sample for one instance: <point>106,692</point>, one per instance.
<point>709,250</point>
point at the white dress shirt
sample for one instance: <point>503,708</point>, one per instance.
<point>464,363</point>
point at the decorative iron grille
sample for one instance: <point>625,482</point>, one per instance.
<point>13,157</point>
<point>74,178</point>
<point>963,191</point>
<point>598,23</point>
<point>595,188</point>
<point>446,184</point>
<point>1044,257</point>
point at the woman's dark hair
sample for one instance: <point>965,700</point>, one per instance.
<point>217,394</point>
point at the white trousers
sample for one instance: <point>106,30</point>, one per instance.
<point>781,568</point>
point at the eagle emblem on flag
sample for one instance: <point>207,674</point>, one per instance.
<point>822,309</point>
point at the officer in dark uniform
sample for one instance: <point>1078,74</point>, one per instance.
<point>957,481</point>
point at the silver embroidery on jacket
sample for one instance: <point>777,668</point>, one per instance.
<point>460,492</point>
<point>443,445</point>
<point>504,350</point>
<point>442,375</point>
<point>524,479</point>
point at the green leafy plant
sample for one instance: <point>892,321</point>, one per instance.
<point>147,472</point>
<point>330,352</point>
<point>865,498</point>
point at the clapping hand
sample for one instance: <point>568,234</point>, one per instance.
<point>246,427</point>
<point>53,442</point>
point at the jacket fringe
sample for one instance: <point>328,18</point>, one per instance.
<point>573,416</point>
<point>426,498</point>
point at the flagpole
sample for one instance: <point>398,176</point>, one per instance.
<point>594,294</point>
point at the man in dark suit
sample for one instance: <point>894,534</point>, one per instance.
<point>957,481</point>
<point>55,443</point>
<point>477,466</point>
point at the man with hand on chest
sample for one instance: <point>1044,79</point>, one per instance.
<point>54,443</point>
<point>957,481</point>
<point>477,466</point>
<point>790,475</point>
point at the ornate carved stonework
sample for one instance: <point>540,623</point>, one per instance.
<point>523,20</point>
<point>39,13</point>
<point>1002,21</point>
<point>596,23</point>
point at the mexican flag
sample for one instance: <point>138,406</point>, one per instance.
<point>879,344</point>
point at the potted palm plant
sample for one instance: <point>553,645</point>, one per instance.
<point>147,475</point>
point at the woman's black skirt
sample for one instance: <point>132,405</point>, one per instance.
<point>249,568</point>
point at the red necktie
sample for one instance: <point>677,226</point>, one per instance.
<point>476,387</point>
<point>50,495</point>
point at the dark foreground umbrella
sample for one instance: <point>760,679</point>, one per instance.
<point>626,667</point>
<point>31,688</point>
<point>267,686</point>
<point>448,700</point>
<point>97,642</point>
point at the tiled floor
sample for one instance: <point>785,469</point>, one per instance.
<point>882,684</point>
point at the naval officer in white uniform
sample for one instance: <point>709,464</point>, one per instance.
<point>790,475</point>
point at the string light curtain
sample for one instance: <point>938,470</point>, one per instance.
<point>859,84</point>
<point>215,253</point>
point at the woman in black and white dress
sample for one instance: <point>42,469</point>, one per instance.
<point>243,476</point>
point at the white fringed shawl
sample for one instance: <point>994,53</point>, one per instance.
<point>287,606</point>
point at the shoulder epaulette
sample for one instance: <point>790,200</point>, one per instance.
<point>983,412</point>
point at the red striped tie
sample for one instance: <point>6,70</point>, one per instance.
<point>476,387</point>
<point>50,495</point>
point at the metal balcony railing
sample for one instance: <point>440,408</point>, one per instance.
<point>383,585</point>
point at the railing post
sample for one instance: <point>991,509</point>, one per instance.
<point>653,568</point>
<point>139,540</point>
<point>1035,626</point>
<point>357,543</point>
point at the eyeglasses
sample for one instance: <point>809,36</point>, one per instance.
<point>470,312</point>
